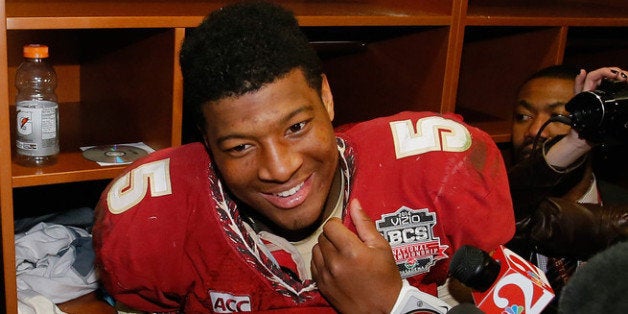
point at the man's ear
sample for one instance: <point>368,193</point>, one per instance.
<point>203,135</point>
<point>327,97</point>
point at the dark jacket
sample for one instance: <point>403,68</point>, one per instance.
<point>554,226</point>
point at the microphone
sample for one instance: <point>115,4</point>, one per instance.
<point>600,285</point>
<point>465,308</point>
<point>501,282</point>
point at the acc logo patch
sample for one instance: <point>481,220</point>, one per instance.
<point>228,303</point>
<point>410,233</point>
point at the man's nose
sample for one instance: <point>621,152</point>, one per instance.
<point>279,161</point>
<point>535,128</point>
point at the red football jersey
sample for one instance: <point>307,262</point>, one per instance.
<point>168,237</point>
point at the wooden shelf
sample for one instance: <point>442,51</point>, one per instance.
<point>88,303</point>
<point>157,14</point>
<point>70,167</point>
<point>498,128</point>
<point>545,13</point>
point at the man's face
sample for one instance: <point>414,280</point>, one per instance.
<point>539,100</point>
<point>276,149</point>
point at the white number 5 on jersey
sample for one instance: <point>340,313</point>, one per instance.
<point>432,134</point>
<point>128,190</point>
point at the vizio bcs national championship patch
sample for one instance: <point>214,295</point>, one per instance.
<point>410,233</point>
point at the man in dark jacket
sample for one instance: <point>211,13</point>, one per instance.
<point>563,212</point>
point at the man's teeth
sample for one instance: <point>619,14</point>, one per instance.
<point>291,191</point>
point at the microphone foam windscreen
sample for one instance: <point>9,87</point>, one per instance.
<point>474,268</point>
<point>600,285</point>
<point>465,308</point>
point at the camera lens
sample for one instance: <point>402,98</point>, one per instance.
<point>600,116</point>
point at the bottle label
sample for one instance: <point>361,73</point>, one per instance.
<point>37,128</point>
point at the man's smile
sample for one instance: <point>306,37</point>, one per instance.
<point>291,191</point>
<point>291,197</point>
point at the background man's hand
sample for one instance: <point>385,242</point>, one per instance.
<point>572,147</point>
<point>590,81</point>
<point>356,273</point>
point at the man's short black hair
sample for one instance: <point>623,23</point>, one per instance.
<point>240,48</point>
<point>560,71</point>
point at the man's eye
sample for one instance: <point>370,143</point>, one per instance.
<point>238,148</point>
<point>297,127</point>
<point>554,114</point>
<point>522,117</point>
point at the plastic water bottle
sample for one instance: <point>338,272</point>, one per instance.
<point>37,136</point>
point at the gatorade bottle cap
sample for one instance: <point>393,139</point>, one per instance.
<point>34,51</point>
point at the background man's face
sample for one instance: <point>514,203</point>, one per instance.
<point>538,100</point>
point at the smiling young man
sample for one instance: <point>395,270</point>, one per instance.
<point>276,150</point>
<point>276,211</point>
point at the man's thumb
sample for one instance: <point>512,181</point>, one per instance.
<point>364,226</point>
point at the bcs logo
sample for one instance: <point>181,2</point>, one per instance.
<point>410,233</point>
<point>228,303</point>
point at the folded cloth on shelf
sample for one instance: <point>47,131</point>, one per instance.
<point>55,261</point>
